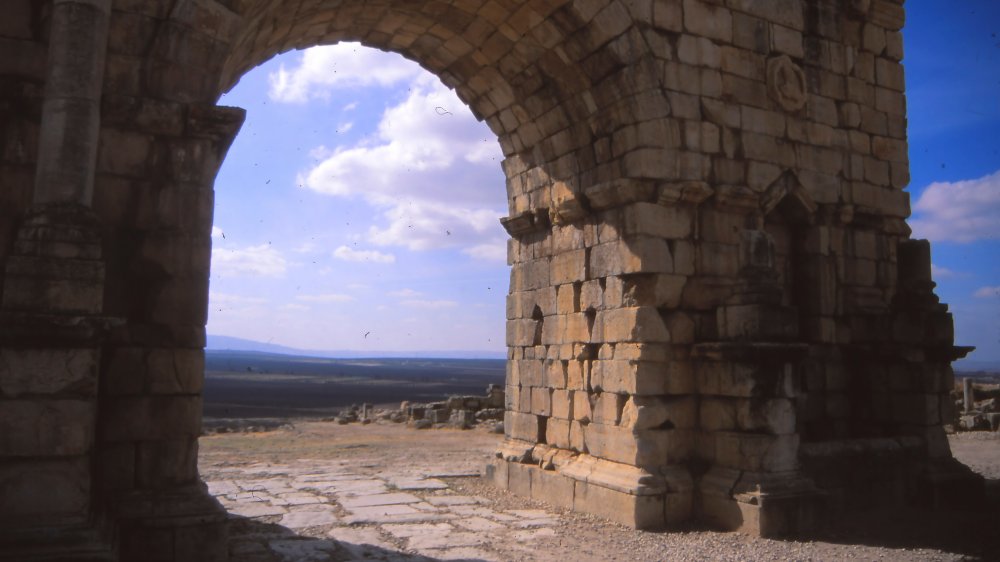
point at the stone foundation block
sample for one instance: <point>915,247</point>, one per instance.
<point>759,505</point>
<point>552,488</point>
<point>640,512</point>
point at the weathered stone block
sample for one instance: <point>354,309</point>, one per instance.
<point>552,488</point>
<point>541,401</point>
<point>656,220</point>
<point>708,20</point>
<point>48,371</point>
<point>523,426</point>
<point>643,448</point>
<point>562,404</point>
<point>757,452</point>
<point>46,427</point>
<point>557,433</point>
<point>43,491</point>
<point>743,380</point>
<point>638,255</point>
<point>632,324</point>
<point>139,418</point>
<point>640,512</point>
<point>162,464</point>
<point>774,416</point>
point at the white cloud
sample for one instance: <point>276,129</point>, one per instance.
<point>347,254</point>
<point>325,298</point>
<point>963,211</point>
<point>431,167</point>
<point>351,106</point>
<point>492,251</point>
<point>423,225</point>
<point>938,272</point>
<point>404,293</point>
<point>344,65</point>
<point>344,127</point>
<point>295,307</point>
<point>987,292</point>
<point>261,260</point>
<point>306,248</point>
<point>217,298</point>
<point>216,232</point>
<point>428,304</point>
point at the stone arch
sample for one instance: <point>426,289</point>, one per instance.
<point>554,80</point>
<point>639,138</point>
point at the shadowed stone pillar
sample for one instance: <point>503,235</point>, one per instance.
<point>747,387</point>
<point>153,365</point>
<point>53,289</point>
<point>71,117</point>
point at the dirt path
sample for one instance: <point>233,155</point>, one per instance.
<point>326,492</point>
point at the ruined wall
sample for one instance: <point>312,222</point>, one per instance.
<point>714,308</point>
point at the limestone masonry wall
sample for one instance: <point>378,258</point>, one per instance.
<point>715,308</point>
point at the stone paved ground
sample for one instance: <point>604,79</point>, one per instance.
<point>322,492</point>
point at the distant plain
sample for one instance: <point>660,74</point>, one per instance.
<point>249,384</point>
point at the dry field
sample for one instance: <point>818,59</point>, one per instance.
<point>318,491</point>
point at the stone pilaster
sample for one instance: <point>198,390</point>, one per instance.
<point>50,348</point>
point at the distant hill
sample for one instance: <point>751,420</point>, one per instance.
<point>229,343</point>
<point>965,366</point>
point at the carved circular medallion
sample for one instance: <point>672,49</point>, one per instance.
<point>787,83</point>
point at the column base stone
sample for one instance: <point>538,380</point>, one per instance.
<point>85,541</point>
<point>759,504</point>
<point>621,493</point>
<point>184,524</point>
<point>948,484</point>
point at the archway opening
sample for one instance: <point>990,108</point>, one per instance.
<point>358,262</point>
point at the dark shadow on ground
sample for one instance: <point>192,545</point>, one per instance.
<point>973,533</point>
<point>251,540</point>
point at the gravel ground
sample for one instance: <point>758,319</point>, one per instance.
<point>910,534</point>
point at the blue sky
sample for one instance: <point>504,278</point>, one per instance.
<point>953,95</point>
<point>358,208</point>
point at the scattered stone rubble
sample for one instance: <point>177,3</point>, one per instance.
<point>461,412</point>
<point>976,415</point>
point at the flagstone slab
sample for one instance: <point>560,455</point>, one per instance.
<point>445,540</point>
<point>257,510</point>
<point>377,499</point>
<point>412,530</point>
<point>468,554</point>
<point>479,524</point>
<point>453,500</point>
<point>418,484</point>
<point>301,498</point>
<point>314,516</point>
<point>304,550</point>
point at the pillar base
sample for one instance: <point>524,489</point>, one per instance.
<point>759,504</point>
<point>81,542</point>
<point>624,494</point>
<point>948,484</point>
<point>182,524</point>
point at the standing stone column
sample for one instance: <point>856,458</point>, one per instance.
<point>71,117</point>
<point>52,298</point>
